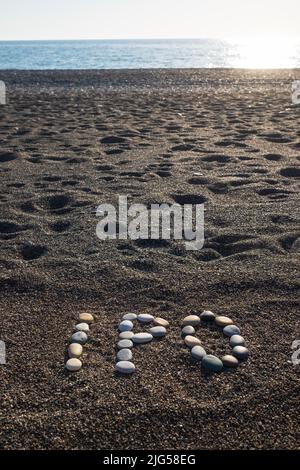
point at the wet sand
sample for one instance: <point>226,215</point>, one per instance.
<point>239,131</point>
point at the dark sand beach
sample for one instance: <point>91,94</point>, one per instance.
<point>241,133</point>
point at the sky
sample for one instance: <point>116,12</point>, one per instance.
<point>135,19</point>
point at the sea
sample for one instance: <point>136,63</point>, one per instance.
<point>152,53</point>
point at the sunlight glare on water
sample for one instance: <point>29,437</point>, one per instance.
<point>262,52</point>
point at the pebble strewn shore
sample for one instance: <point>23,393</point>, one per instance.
<point>227,136</point>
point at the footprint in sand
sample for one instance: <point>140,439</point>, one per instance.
<point>291,242</point>
<point>274,193</point>
<point>60,226</point>
<point>7,157</point>
<point>273,157</point>
<point>9,229</point>
<point>31,251</point>
<point>189,199</point>
<point>113,139</point>
<point>291,172</point>
<point>217,159</point>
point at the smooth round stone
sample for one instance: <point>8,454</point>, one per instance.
<point>124,355</point>
<point>207,315</point>
<point>241,352</point>
<point>125,325</point>
<point>212,362</point>
<point>86,317</point>
<point>82,327</point>
<point>231,330</point>
<point>198,353</point>
<point>161,322</point>
<point>192,320</point>
<point>129,316</point>
<point>125,367</point>
<point>158,331</point>
<point>237,340</point>
<point>73,364</point>
<point>223,321</point>
<point>187,330</point>
<point>145,318</point>
<point>126,335</point>
<point>141,338</point>
<point>125,343</point>
<point>75,350</point>
<point>191,341</point>
<point>79,337</point>
<point>230,361</point>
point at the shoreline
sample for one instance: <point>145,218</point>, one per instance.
<point>147,78</point>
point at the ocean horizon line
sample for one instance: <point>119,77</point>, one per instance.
<point>149,53</point>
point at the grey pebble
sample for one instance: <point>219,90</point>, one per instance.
<point>125,367</point>
<point>207,315</point>
<point>231,330</point>
<point>212,362</point>
<point>124,355</point>
<point>79,337</point>
<point>145,318</point>
<point>198,353</point>
<point>125,325</point>
<point>237,340</point>
<point>125,343</point>
<point>158,331</point>
<point>142,338</point>
<point>240,352</point>
<point>187,330</point>
<point>230,361</point>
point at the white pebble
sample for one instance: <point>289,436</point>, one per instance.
<point>161,322</point>
<point>223,321</point>
<point>192,341</point>
<point>75,350</point>
<point>192,320</point>
<point>126,335</point>
<point>129,316</point>
<point>73,364</point>
<point>82,327</point>
<point>86,317</point>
